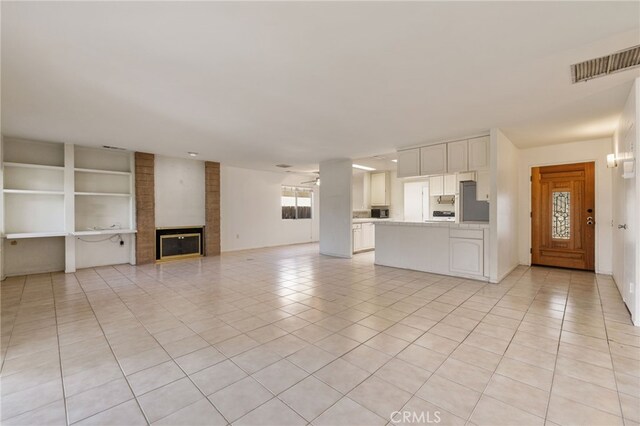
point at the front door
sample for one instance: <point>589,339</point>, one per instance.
<point>563,216</point>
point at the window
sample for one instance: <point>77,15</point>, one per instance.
<point>561,215</point>
<point>296,202</point>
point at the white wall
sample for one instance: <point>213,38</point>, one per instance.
<point>626,195</point>
<point>503,209</point>
<point>251,214</point>
<point>179,192</point>
<point>335,208</point>
<point>102,250</point>
<point>33,255</point>
<point>575,152</point>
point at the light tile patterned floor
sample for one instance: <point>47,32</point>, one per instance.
<point>284,336</point>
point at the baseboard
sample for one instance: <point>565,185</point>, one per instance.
<point>504,275</point>
<point>267,246</point>
<point>342,256</point>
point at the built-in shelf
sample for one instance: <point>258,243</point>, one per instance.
<point>107,194</point>
<point>23,235</point>
<point>51,189</point>
<point>32,192</point>
<point>104,232</point>
<point>32,166</point>
<point>106,172</point>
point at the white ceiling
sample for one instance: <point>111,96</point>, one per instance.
<point>258,83</point>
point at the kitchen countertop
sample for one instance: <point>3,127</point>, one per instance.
<point>369,219</point>
<point>446,224</point>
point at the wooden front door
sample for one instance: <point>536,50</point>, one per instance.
<point>563,216</point>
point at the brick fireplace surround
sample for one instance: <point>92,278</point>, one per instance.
<point>145,208</point>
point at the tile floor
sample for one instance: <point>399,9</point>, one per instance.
<point>284,336</point>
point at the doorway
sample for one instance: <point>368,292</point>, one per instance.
<point>563,216</point>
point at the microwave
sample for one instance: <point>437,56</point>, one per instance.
<point>380,213</point>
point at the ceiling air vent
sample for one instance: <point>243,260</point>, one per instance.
<point>113,147</point>
<point>283,166</point>
<point>605,65</point>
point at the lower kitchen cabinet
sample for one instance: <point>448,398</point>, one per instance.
<point>368,236</point>
<point>363,236</point>
<point>357,237</point>
<point>466,256</point>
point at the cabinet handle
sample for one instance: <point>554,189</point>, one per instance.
<point>622,226</point>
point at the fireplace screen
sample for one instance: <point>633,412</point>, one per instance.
<point>179,242</point>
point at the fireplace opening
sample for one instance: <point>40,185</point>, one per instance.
<point>178,243</point>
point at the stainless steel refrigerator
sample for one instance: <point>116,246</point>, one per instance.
<point>472,210</point>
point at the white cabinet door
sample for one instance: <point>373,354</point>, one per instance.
<point>433,159</point>
<point>368,236</point>
<point>457,156</point>
<point>466,256</point>
<point>357,238</point>
<point>409,163</point>
<point>483,185</point>
<point>436,186</point>
<point>450,185</point>
<point>479,153</point>
<point>380,189</point>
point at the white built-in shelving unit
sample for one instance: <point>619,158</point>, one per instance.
<point>80,194</point>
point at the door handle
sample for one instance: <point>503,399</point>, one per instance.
<point>622,226</point>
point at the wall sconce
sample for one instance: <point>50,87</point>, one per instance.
<point>611,161</point>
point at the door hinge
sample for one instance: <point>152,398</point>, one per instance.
<point>530,214</point>
<point>530,251</point>
<point>530,178</point>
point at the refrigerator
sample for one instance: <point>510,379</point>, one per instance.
<point>472,210</point>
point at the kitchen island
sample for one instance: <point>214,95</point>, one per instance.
<point>448,248</point>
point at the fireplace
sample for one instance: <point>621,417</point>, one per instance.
<point>179,243</point>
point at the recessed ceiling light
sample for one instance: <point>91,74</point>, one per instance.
<point>395,161</point>
<point>358,166</point>
<point>193,154</point>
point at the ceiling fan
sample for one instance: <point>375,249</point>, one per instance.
<point>315,181</point>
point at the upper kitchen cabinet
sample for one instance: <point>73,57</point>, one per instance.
<point>380,189</point>
<point>450,185</point>
<point>409,163</point>
<point>483,185</point>
<point>442,185</point>
<point>360,191</point>
<point>433,159</point>
<point>479,153</point>
<point>457,156</point>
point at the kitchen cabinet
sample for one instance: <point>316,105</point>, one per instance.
<point>408,163</point>
<point>457,156</point>
<point>361,191</point>
<point>357,237</point>
<point>483,185</point>
<point>433,159</point>
<point>363,236</point>
<point>462,177</point>
<point>479,153</point>
<point>450,185</point>
<point>466,251</point>
<point>442,185</point>
<point>436,186</point>
<point>368,236</point>
<point>380,189</point>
